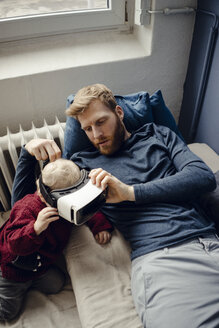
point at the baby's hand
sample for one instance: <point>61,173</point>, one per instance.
<point>44,218</point>
<point>103,237</point>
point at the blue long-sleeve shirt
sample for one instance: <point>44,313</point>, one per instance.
<point>167,178</point>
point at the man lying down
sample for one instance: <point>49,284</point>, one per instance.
<point>154,182</point>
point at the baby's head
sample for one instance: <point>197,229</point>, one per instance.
<point>62,173</point>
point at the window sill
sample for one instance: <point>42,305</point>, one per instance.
<point>34,56</point>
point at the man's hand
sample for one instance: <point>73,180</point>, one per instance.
<point>117,190</point>
<point>44,218</point>
<point>103,237</point>
<point>43,148</point>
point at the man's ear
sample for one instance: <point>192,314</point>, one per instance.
<point>119,112</point>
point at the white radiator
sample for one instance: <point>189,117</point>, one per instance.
<point>10,146</point>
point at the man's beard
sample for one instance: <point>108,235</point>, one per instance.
<point>115,140</point>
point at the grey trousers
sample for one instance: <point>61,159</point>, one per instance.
<point>12,293</point>
<point>179,286</point>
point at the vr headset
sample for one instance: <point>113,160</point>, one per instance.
<point>77,203</point>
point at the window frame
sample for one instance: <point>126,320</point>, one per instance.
<point>23,27</point>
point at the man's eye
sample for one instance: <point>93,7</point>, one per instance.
<point>88,129</point>
<point>100,122</point>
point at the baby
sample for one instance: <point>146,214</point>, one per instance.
<point>34,237</point>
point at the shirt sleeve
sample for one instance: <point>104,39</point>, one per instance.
<point>191,179</point>
<point>19,232</point>
<point>99,223</point>
<point>24,180</point>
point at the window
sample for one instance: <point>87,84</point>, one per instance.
<point>33,7</point>
<point>35,18</point>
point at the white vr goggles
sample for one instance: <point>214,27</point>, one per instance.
<point>77,203</point>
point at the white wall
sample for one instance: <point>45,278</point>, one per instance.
<point>37,75</point>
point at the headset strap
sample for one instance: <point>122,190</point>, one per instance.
<point>45,191</point>
<point>50,196</point>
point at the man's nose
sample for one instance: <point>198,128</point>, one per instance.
<point>97,132</point>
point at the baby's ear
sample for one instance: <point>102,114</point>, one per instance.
<point>41,197</point>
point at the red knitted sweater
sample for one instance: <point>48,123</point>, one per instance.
<point>18,237</point>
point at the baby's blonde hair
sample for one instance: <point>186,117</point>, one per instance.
<point>61,173</point>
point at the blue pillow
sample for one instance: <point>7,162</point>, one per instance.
<point>161,114</point>
<point>137,112</point>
